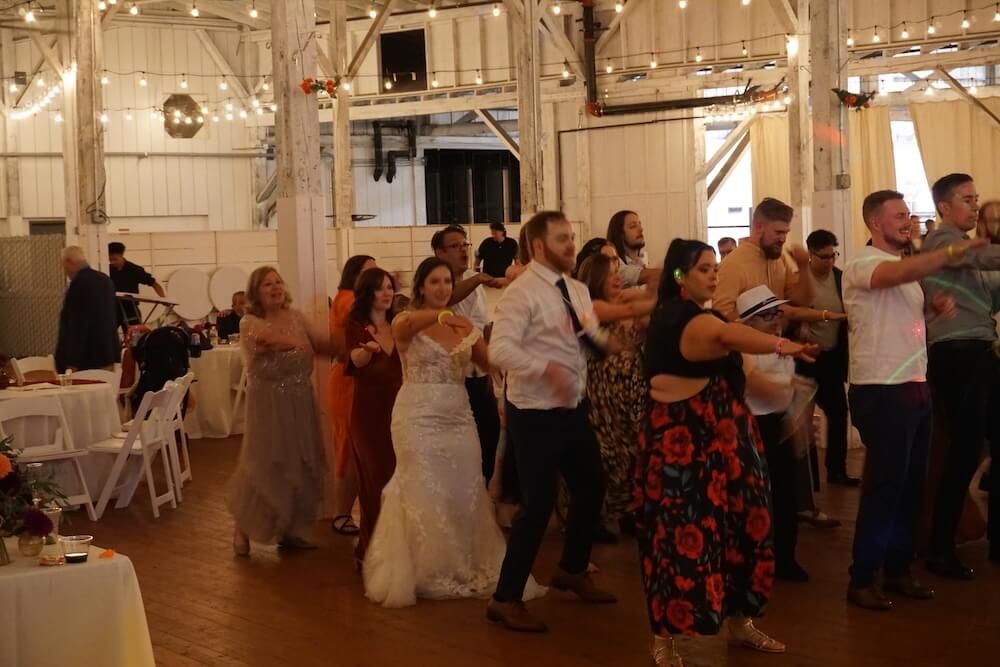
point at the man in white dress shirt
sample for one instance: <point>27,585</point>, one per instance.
<point>452,245</point>
<point>542,329</point>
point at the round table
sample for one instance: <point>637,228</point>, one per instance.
<point>216,372</point>
<point>77,614</point>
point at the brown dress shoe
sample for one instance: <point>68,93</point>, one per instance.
<point>513,616</point>
<point>582,585</point>
<point>868,597</point>
<point>909,587</point>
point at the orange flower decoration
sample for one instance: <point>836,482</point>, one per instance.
<point>5,466</point>
<point>107,553</point>
<point>329,87</point>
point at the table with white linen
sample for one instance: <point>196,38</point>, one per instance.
<point>216,372</point>
<point>75,614</point>
<point>92,416</point>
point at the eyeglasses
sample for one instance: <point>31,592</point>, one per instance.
<point>826,257</point>
<point>457,246</point>
<point>769,315</point>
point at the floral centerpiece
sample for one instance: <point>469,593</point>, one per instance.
<point>311,85</point>
<point>856,101</point>
<point>19,490</point>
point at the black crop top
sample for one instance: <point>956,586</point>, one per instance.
<point>663,346</point>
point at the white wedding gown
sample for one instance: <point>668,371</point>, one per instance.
<point>436,535</point>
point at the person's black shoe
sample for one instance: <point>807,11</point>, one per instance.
<point>842,479</point>
<point>791,571</point>
<point>950,567</point>
<point>604,536</point>
<point>907,586</point>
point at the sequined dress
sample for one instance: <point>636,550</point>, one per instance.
<point>278,484</point>
<point>436,535</point>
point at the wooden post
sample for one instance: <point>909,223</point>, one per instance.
<point>526,42</point>
<point>343,175</point>
<point>301,205</point>
<point>10,184</point>
<point>800,164</point>
<point>831,205</point>
<point>83,134</point>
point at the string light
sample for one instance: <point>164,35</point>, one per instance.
<point>875,36</point>
<point>996,15</point>
<point>143,81</point>
<point>13,87</point>
<point>432,11</point>
<point>479,78</point>
<point>387,84</point>
<point>104,79</point>
<point>265,86</point>
<point>101,6</point>
<point>37,105</point>
<point>259,111</point>
<point>29,16</point>
<point>619,7</point>
<point>565,72</point>
<point>223,84</point>
<point>255,103</point>
<point>372,12</point>
<point>112,2</point>
<point>652,60</point>
<point>215,119</point>
<point>557,8</point>
<point>59,118</point>
<point>496,9</point>
<point>346,85</point>
<point>243,113</point>
<point>697,55</point>
<point>434,80</point>
<point>746,3</point>
<point>128,115</point>
<point>40,82</point>
<point>184,82</point>
<point>930,27</point>
<point>229,116</point>
<point>274,106</point>
<point>905,34</point>
<point>134,9</point>
<point>253,9</point>
<point>229,106</point>
<point>965,22</point>
<point>204,109</point>
<point>194,10</point>
<point>850,38</point>
<point>610,68</point>
<point>682,4</point>
<point>791,45</point>
<point>744,48</point>
<point>104,118</point>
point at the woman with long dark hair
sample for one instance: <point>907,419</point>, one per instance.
<point>343,475</point>
<point>373,362</point>
<point>704,524</point>
<point>436,535</point>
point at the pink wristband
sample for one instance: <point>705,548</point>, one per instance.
<point>777,346</point>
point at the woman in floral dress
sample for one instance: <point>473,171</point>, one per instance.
<point>704,524</point>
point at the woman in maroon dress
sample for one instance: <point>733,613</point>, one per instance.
<point>374,364</point>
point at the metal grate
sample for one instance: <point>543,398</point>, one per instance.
<point>32,284</point>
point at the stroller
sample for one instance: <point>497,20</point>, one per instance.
<point>162,355</point>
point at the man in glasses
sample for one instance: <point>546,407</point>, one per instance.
<point>961,364</point>
<point>830,369</point>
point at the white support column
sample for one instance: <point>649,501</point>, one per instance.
<point>83,134</point>
<point>526,42</point>
<point>343,174</point>
<point>800,163</point>
<point>831,205</point>
<point>10,185</point>
<point>301,205</point>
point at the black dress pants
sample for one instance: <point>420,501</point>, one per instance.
<point>783,470</point>
<point>547,444</point>
<point>483,402</point>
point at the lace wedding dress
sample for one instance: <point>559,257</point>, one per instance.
<point>436,535</point>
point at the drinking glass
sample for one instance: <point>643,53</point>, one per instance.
<point>75,548</point>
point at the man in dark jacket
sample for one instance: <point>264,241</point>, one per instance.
<point>88,336</point>
<point>830,369</point>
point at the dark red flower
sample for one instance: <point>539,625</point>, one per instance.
<point>734,468</point>
<point>867,105</point>
<point>656,606</point>
<point>679,614</point>
<point>678,446</point>
<point>653,484</point>
<point>734,557</point>
<point>715,590</point>
<point>709,524</point>
<point>736,503</point>
<point>683,583</point>
<point>717,489</point>
<point>306,87</point>
<point>725,436</point>
<point>763,577</point>
<point>329,87</point>
<point>35,522</point>
<point>689,541</point>
<point>647,567</point>
<point>758,523</point>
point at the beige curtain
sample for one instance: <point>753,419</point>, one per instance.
<point>769,157</point>
<point>873,166</point>
<point>956,136</point>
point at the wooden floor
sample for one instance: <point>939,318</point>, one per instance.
<point>206,607</point>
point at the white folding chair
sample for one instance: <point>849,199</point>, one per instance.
<point>145,439</point>
<point>37,365</point>
<point>241,392</point>
<point>177,440</point>
<point>59,450</point>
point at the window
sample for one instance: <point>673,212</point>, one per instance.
<point>404,61</point>
<point>729,211</point>
<point>911,179</point>
<point>471,186</point>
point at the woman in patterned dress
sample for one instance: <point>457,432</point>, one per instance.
<point>616,385</point>
<point>704,524</point>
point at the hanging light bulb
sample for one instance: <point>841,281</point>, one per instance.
<point>204,109</point>
<point>265,86</point>
<point>142,80</point>
<point>746,3</point>
<point>791,45</point>
<point>128,115</point>
<point>619,7</point>
<point>259,111</point>
<point>432,12</point>
<point>372,12</point>
<point>253,9</point>
<point>243,113</point>
<point>184,82</point>
<point>652,61</point>
<point>13,87</point>
<point>154,114</point>
<point>215,119</point>
<point>274,106</point>
<point>40,82</point>
<point>194,10</point>
<point>565,72</point>
<point>973,89</point>
<point>59,118</point>
<point>104,118</point>
<point>176,121</point>
<point>930,27</point>
<point>929,90</point>
<point>905,34</point>
<point>496,9</point>
<point>996,15</point>
<point>101,6</point>
<point>850,38</point>
<point>229,116</point>
<point>788,100</point>
<point>479,78</point>
<point>229,106</point>
<point>875,36</point>
<point>682,4</point>
<point>29,16</point>
<point>557,8</point>
<point>134,9</point>
<point>104,79</point>
<point>697,55</point>
<point>255,103</point>
<point>387,85</point>
<point>434,80</point>
<point>112,2</point>
<point>610,68</point>
<point>744,48</point>
<point>223,84</point>
<point>965,22</point>
<point>177,113</point>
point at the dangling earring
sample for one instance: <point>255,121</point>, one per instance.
<point>680,281</point>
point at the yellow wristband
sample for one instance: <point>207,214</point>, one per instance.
<point>443,313</point>
<point>950,251</point>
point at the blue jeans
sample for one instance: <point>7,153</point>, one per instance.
<point>895,426</point>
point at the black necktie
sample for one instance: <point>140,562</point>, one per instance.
<point>587,341</point>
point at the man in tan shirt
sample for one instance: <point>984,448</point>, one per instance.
<point>759,261</point>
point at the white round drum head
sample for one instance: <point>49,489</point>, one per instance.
<point>189,288</point>
<point>226,281</point>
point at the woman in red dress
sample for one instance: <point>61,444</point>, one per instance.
<point>374,364</point>
<point>703,524</point>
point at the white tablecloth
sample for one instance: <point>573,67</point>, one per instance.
<point>216,371</point>
<point>78,614</point>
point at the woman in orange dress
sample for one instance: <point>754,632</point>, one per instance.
<point>342,402</point>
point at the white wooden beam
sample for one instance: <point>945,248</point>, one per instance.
<point>374,30</point>
<point>786,16</point>
<point>563,45</point>
<point>48,54</point>
<point>325,64</point>
<point>343,175</point>
<point>109,15</point>
<point>498,130</point>
<point>800,129</point>
<point>966,95</point>
<point>232,11</point>
<point>224,67</point>
<point>616,23</point>
<point>732,139</point>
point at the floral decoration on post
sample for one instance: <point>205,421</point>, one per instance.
<point>311,85</point>
<point>856,101</point>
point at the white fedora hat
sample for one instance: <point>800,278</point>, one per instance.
<point>755,301</point>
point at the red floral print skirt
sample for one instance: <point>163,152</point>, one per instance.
<point>704,513</point>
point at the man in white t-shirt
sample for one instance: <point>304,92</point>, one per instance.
<point>889,399</point>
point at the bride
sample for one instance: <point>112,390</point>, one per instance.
<point>436,536</point>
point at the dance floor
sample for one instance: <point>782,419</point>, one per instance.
<point>206,607</point>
